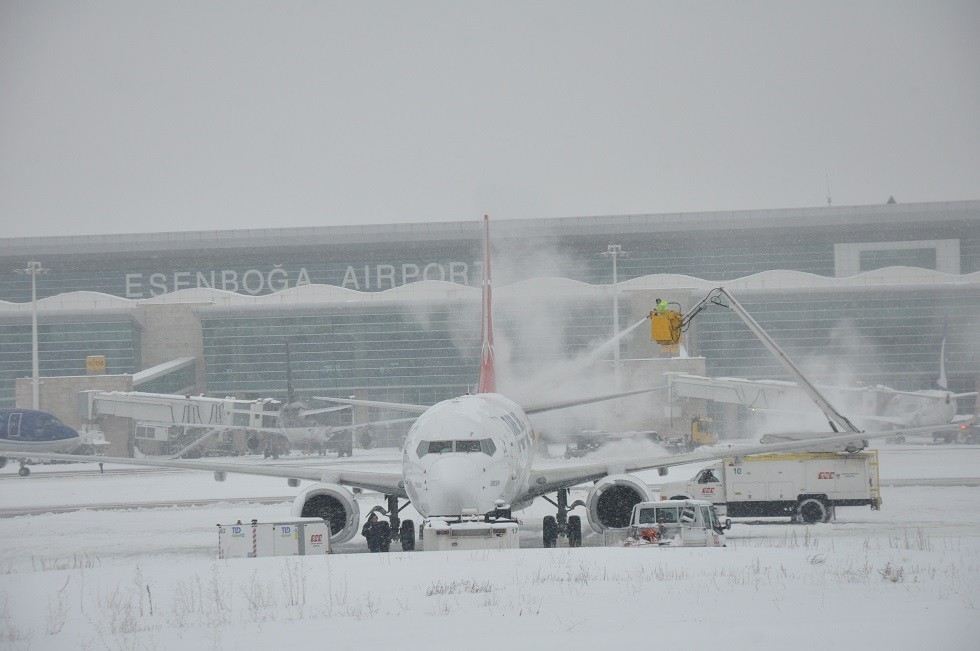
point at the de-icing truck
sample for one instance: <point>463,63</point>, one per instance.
<point>805,486</point>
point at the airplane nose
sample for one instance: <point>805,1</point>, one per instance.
<point>454,485</point>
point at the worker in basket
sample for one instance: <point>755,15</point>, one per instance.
<point>661,307</point>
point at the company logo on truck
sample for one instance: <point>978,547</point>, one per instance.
<point>825,475</point>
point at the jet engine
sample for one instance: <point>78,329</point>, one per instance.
<point>611,500</point>
<point>333,503</point>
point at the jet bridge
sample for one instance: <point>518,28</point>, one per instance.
<point>187,411</point>
<point>754,394</point>
<point>157,415</point>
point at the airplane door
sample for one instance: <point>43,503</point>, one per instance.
<point>13,426</point>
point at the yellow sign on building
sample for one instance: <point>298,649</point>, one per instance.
<point>95,364</point>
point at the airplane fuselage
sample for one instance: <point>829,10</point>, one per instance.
<point>26,430</point>
<point>466,455</point>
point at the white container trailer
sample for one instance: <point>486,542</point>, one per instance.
<point>806,486</point>
<point>301,537</point>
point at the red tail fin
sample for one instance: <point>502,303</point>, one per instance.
<point>488,379</point>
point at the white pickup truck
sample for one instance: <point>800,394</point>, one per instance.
<point>675,523</point>
<point>806,486</point>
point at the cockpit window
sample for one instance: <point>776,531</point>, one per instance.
<point>485,446</point>
<point>440,447</point>
<point>467,446</point>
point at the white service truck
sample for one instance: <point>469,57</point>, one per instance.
<point>806,486</point>
<point>675,523</point>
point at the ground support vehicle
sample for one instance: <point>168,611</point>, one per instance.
<point>806,486</point>
<point>968,432</point>
<point>699,435</point>
<point>675,523</point>
<point>436,534</point>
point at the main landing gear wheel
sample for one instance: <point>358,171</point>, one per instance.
<point>24,471</point>
<point>574,531</point>
<point>549,530</point>
<point>407,536</point>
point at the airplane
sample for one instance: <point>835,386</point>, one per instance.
<point>472,455</point>
<point>879,406</point>
<point>31,431</point>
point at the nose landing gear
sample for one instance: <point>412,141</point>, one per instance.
<point>561,524</point>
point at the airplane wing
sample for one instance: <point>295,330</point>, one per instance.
<point>379,404</point>
<point>936,394</point>
<point>372,423</point>
<point>389,482</point>
<point>541,407</point>
<point>325,410</point>
<point>528,409</point>
<point>547,480</point>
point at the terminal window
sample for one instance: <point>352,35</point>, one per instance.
<point>855,257</point>
<point>876,259</point>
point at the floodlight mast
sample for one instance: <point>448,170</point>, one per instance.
<point>33,269</point>
<point>838,422</point>
<point>615,251</point>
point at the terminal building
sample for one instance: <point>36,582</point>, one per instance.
<point>857,294</point>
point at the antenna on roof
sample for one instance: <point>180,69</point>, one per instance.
<point>829,200</point>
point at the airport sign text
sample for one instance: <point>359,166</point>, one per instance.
<point>258,281</point>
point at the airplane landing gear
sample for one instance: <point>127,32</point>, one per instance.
<point>386,530</point>
<point>555,526</point>
<point>24,471</point>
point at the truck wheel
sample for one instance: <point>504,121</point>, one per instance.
<point>407,536</point>
<point>574,531</point>
<point>24,471</point>
<point>549,531</point>
<point>812,510</point>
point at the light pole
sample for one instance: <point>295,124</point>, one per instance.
<point>615,251</point>
<point>33,269</point>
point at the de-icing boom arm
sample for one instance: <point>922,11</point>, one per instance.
<point>838,422</point>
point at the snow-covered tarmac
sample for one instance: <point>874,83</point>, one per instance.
<point>903,577</point>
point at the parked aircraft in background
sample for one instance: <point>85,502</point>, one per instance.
<point>877,406</point>
<point>29,431</point>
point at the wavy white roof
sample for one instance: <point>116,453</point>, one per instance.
<point>549,287</point>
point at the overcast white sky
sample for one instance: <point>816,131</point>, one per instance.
<point>149,116</point>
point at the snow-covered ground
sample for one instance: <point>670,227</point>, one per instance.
<point>903,577</point>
